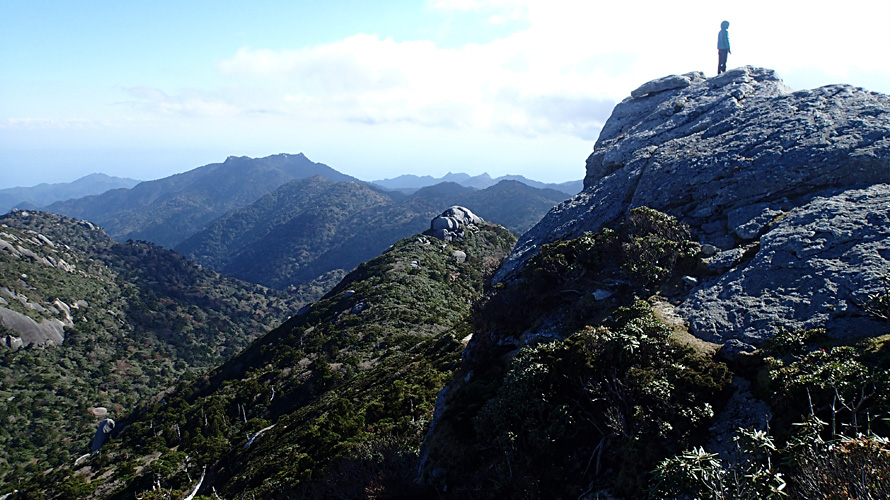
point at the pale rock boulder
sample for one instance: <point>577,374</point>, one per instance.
<point>452,222</point>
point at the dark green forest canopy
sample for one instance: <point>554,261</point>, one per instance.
<point>141,319</point>
<point>355,374</point>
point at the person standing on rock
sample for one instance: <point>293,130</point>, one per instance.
<point>722,47</point>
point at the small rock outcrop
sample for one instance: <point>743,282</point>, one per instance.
<point>452,222</point>
<point>799,179</point>
<point>102,431</point>
<point>47,332</point>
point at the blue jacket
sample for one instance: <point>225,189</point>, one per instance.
<point>723,36</point>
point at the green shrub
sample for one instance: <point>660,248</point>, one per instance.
<point>841,385</point>
<point>841,469</point>
<point>697,474</point>
<point>808,467</point>
<point>878,304</point>
<point>646,251</point>
<point>606,399</point>
<point>793,342</point>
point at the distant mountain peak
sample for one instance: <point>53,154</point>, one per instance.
<point>167,211</point>
<point>410,183</point>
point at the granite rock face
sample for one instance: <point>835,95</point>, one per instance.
<point>816,267</point>
<point>748,163</point>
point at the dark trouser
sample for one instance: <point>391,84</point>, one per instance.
<point>721,60</point>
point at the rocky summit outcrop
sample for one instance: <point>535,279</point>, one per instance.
<point>451,223</point>
<point>791,187</point>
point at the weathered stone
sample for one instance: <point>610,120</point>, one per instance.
<point>13,342</point>
<point>746,222</point>
<point>47,332</point>
<point>102,431</point>
<point>660,85</point>
<point>708,250</point>
<point>731,349</point>
<point>450,223</point>
<point>737,157</point>
<point>446,223</point>
<point>98,411</point>
<point>725,260</point>
<point>815,268</point>
<point>600,294</point>
<point>9,248</point>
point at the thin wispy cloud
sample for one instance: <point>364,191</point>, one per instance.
<point>191,103</point>
<point>52,123</point>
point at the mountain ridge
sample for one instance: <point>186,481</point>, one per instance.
<point>362,364</point>
<point>46,193</point>
<point>166,211</point>
<point>134,319</point>
<point>313,226</point>
<point>410,182</point>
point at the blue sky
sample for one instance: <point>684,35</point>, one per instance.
<point>377,89</point>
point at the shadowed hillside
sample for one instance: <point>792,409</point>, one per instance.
<point>338,395</point>
<point>168,210</point>
<point>311,227</point>
<point>132,319</point>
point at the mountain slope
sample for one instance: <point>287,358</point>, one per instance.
<point>44,194</point>
<point>274,239</point>
<point>293,412</point>
<point>133,320</point>
<point>167,211</point>
<point>730,344</point>
<point>311,227</point>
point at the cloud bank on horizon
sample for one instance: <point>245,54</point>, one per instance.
<point>505,86</point>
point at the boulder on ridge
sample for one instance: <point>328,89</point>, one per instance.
<point>450,223</point>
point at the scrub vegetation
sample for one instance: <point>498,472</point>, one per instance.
<point>566,383</point>
<point>142,319</point>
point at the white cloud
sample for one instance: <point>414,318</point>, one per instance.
<point>497,86</point>
<point>190,103</point>
<point>560,74</point>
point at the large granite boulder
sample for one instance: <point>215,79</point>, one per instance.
<point>451,223</point>
<point>745,161</point>
<point>29,331</point>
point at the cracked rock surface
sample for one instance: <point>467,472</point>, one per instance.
<point>744,160</point>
